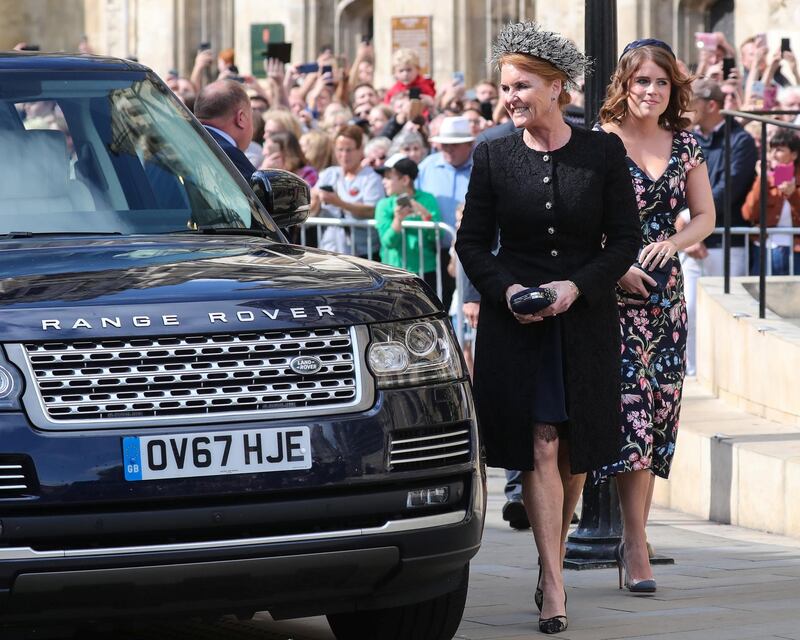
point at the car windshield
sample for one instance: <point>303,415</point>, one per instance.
<point>97,152</point>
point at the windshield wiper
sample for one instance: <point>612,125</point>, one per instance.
<point>231,231</point>
<point>32,234</point>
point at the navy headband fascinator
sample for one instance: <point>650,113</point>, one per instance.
<point>647,42</point>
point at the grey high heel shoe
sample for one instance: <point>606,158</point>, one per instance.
<point>640,586</point>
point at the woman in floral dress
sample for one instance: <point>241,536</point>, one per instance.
<point>645,107</point>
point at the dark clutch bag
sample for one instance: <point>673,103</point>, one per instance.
<point>532,300</point>
<point>660,274</point>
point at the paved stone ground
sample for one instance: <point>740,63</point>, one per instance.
<point>728,583</point>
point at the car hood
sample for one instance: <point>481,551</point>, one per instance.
<point>82,287</point>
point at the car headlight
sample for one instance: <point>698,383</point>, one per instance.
<point>10,385</point>
<point>411,352</point>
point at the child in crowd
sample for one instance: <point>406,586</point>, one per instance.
<point>405,67</point>
<point>404,202</point>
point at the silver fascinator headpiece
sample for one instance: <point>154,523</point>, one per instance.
<point>529,38</point>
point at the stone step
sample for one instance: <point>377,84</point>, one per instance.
<point>733,467</point>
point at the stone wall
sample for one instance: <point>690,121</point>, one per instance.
<point>55,25</point>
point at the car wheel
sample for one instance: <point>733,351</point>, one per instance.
<point>435,619</point>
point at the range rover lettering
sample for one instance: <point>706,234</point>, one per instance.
<point>195,415</point>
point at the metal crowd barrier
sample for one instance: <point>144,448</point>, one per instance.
<point>443,233</point>
<point>755,232</point>
<point>758,116</point>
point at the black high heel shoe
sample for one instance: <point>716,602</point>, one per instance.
<point>538,595</point>
<point>556,624</point>
<point>640,586</point>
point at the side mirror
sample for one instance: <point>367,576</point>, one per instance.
<point>285,195</point>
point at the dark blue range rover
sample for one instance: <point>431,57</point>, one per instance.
<point>195,415</point>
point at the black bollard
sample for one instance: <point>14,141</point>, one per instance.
<point>592,544</point>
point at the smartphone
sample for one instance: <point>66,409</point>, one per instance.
<point>327,69</point>
<point>785,45</point>
<point>770,97</point>
<point>308,67</point>
<point>326,187</point>
<point>414,93</point>
<point>403,201</point>
<point>705,40</point>
<point>783,173</point>
<point>280,50</point>
<point>204,46</point>
<point>236,78</point>
<point>728,65</point>
<point>458,77</point>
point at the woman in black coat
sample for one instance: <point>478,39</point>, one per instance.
<point>547,385</point>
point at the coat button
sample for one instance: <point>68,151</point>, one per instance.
<point>551,230</point>
<point>554,253</point>
<point>546,158</point>
<point>548,205</point>
<point>546,179</point>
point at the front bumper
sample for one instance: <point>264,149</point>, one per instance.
<point>402,561</point>
<point>338,537</point>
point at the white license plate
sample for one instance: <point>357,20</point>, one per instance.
<point>216,453</point>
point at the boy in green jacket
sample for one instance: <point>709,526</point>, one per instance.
<point>403,202</point>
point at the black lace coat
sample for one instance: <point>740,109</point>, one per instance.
<point>569,214</point>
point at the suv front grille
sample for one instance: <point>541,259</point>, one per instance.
<point>431,447</point>
<point>140,378</point>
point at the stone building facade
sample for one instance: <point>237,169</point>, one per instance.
<point>164,34</point>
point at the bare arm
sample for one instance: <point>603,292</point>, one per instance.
<point>366,211</point>
<point>202,61</point>
<point>365,52</point>
<point>701,209</point>
<point>275,71</point>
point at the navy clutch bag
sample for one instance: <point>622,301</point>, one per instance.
<point>532,300</point>
<point>660,274</point>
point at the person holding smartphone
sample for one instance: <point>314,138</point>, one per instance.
<point>404,202</point>
<point>406,70</point>
<point>348,191</point>
<point>783,204</point>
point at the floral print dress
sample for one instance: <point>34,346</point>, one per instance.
<point>654,330</point>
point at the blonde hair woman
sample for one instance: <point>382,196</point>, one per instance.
<point>278,120</point>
